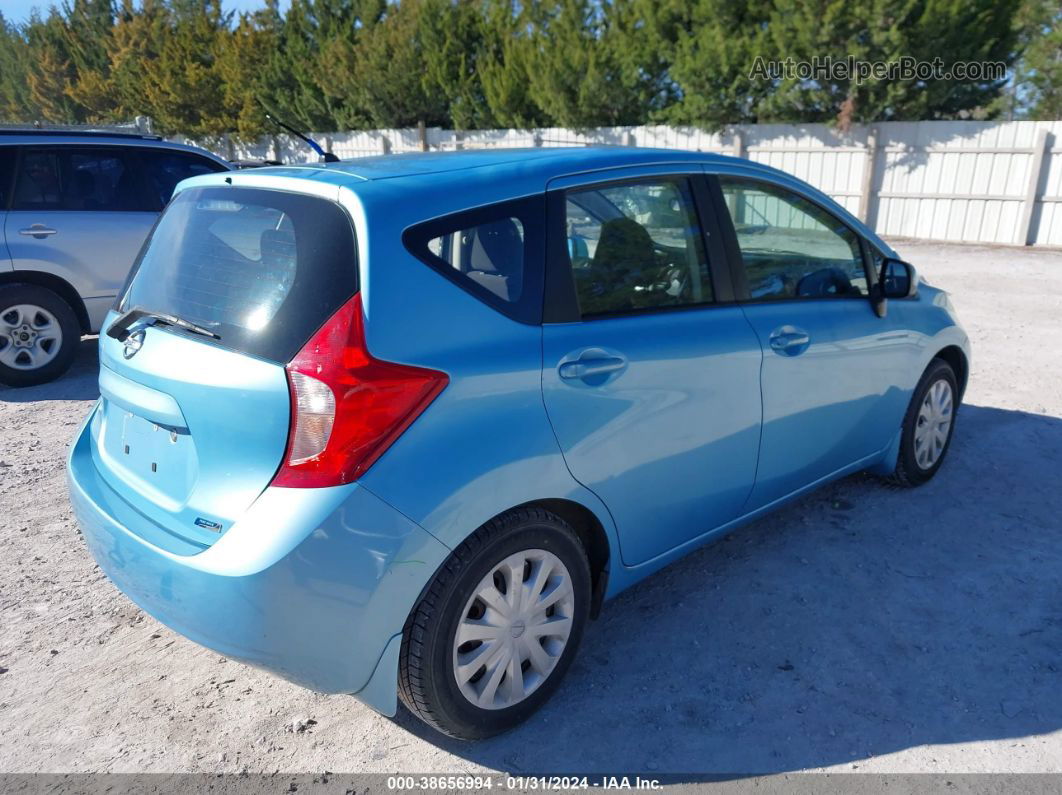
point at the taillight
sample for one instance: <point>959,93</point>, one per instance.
<point>347,407</point>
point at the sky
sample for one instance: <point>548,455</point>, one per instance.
<point>19,10</point>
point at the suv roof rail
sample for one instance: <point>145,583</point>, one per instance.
<point>141,128</point>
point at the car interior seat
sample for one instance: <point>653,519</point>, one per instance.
<point>496,258</point>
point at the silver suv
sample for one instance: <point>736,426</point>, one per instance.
<point>75,208</point>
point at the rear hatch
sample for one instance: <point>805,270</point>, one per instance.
<point>193,425</point>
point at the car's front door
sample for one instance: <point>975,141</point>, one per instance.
<point>82,214</point>
<point>830,364</point>
<point>650,373</point>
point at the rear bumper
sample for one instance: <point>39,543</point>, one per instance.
<point>311,584</point>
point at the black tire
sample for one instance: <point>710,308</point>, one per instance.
<point>909,472</point>
<point>427,683</point>
<point>30,294</point>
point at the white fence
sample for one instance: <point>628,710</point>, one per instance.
<point>974,182</point>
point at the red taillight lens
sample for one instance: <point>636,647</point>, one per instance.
<point>347,408</point>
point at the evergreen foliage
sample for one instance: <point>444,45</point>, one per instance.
<point>328,65</point>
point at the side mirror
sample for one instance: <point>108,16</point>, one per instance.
<point>899,279</point>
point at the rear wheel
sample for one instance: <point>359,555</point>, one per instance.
<point>497,628</point>
<point>928,426</point>
<point>39,335</point>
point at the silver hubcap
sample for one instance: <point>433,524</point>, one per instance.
<point>30,337</point>
<point>514,629</point>
<point>934,423</point>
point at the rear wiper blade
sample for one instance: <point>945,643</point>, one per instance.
<point>119,329</point>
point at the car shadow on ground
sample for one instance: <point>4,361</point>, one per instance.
<point>81,381</point>
<point>860,621</point>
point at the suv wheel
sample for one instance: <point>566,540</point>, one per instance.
<point>39,335</point>
<point>498,627</point>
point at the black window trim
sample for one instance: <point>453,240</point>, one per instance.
<point>737,264</point>
<point>561,297</point>
<point>129,153</point>
<point>530,211</point>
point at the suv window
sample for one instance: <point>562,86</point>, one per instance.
<point>494,252</point>
<point>636,246</point>
<point>166,168</point>
<point>7,165</point>
<point>263,269</point>
<point>64,178</point>
<point>790,247</point>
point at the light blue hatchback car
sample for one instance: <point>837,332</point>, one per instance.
<point>399,426</point>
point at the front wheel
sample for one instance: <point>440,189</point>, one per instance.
<point>39,335</point>
<point>928,426</point>
<point>497,627</point>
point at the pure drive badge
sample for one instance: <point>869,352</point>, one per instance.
<point>206,524</point>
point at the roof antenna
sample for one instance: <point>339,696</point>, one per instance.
<point>326,157</point>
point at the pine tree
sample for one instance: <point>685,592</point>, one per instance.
<point>1038,76</point>
<point>184,85</point>
<point>241,59</point>
<point>888,31</point>
<point>387,79</point>
<point>135,43</point>
<point>450,41</point>
<point>16,105</point>
<point>295,75</point>
<point>577,72</point>
<point>51,69</point>
<point>502,65</point>
<point>88,26</point>
<point>715,44</point>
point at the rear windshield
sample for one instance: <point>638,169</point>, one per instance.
<point>263,269</point>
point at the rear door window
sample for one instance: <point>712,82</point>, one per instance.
<point>78,180</point>
<point>636,246</point>
<point>494,252</point>
<point>7,174</point>
<point>166,168</point>
<point>263,269</point>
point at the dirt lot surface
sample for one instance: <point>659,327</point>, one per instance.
<point>863,628</point>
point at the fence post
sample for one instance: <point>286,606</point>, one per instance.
<point>739,143</point>
<point>866,194</point>
<point>1029,208</point>
<point>422,134</point>
<point>385,145</point>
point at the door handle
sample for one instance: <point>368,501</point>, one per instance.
<point>789,341</point>
<point>39,231</point>
<point>587,368</point>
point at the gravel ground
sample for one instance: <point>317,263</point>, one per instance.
<point>863,628</point>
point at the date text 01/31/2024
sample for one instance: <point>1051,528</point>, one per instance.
<point>520,783</point>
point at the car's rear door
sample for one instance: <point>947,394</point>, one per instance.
<point>830,364</point>
<point>650,372</point>
<point>80,213</point>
